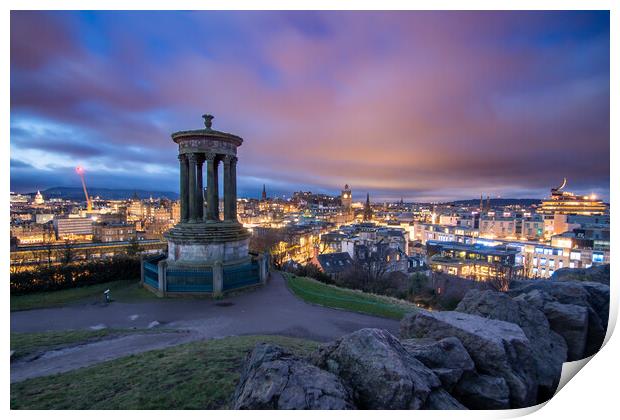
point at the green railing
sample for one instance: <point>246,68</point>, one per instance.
<point>151,271</point>
<point>241,276</point>
<point>189,280</point>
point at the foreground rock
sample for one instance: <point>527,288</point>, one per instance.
<point>381,372</point>
<point>483,392</point>
<point>447,358</point>
<point>549,296</point>
<point>272,378</point>
<point>548,348</point>
<point>597,273</point>
<point>498,348</point>
<point>569,321</point>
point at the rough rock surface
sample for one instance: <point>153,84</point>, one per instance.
<point>498,348</point>
<point>598,274</point>
<point>447,358</point>
<point>548,348</point>
<point>440,399</point>
<point>272,378</point>
<point>594,297</point>
<point>482,392</point>
<point>380,371</point>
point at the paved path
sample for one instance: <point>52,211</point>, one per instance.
<point>272,309</point>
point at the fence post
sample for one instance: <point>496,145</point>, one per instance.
<point>161,276</point>
<point>262,268</point>
<point>218,279</point>
<point>141,270</point>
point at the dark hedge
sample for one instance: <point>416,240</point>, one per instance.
<point>75,275</point>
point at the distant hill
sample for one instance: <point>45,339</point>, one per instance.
<point>75,193</point>
<point>498,202</point>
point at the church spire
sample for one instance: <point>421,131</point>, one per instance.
<point>367,209</point>
<point>264,194</point>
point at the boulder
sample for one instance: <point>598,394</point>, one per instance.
<point>571,322</point>
<point>380,371</point>
<point>594,297</point>
<point>548,348</point>
<point>274,379</point>
<point>597,273</point>
<point>440,399</point>
<point>447,358</point>
<point>498,348</point>
<point>482,392</point>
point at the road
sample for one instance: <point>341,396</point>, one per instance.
<point>272,309</point>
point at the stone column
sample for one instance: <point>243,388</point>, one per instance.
<point>233,188</point>
<point>228,194</point>
<point>184,193</point>
<point>211,186</point>
<point>191,185</point>
<point>199,197</point>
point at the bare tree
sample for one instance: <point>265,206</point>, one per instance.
<point>501,275</point>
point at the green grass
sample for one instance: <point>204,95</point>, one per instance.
<point>121,291</point>
<point>323,294</point>
<point>27,344</point>
<point>200,375</point>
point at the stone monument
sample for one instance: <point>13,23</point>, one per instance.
<point>208,250</point>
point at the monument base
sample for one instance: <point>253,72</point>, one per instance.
<point>207,259</point>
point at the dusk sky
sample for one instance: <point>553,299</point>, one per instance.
<point>419,105</point>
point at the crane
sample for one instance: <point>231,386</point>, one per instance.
<point>89,204</point>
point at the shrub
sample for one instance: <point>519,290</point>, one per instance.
<point>75,275</point>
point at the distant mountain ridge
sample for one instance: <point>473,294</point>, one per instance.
<point>498,202</point>
<point>76,193</point>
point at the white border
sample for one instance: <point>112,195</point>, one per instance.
<point>592,394</point>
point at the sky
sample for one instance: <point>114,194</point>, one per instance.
<point>427,106</point>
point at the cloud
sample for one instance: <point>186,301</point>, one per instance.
<point>424,103</point>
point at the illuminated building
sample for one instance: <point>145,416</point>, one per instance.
<point>38,198</point>
<point>476,262</point>
<point>564,202</point>
<point>73,228</point>
<point>113,232</point>
<point>346,198</point>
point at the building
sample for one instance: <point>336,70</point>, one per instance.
<point>477,262</point>
<point>113,232</point>
<point>334,264</point>
<point>367,216</point>
<point>564,202</point>
<point>38,198</point>
<point>73,228</point>
<point>424,232</point>
<point>346,198</point>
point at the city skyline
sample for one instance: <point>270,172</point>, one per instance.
<point>432,106</point>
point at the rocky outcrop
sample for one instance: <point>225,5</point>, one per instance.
<point>447,358</point>
<point>496,351</point>
<point>597,273</point>
<point>272,378</point>
<point>380,371</point>
<point>483,392</point>
<point>548,348</point>
<point>557,300</point>
<point>440,399</point>
<point>498,348</point>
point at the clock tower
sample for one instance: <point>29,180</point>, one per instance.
<point>346,198</point>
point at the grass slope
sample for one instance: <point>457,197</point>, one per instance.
<point>313,291</point>
<point>121,290</point>
<point>200,375</point>
<point>26,344</point>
